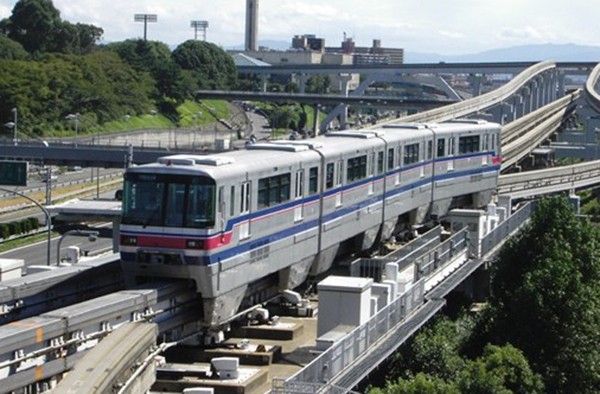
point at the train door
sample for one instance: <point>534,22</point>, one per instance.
<point>485,148</point>
<point>451,152</point>
<point>298,195</point>
<point>245,199</point>
<point>371,170</point>
<point>339,167</point>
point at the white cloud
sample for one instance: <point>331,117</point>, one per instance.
<point>459,26</point>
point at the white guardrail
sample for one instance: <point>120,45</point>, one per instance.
<point>549,180</point>
<point>483,101</point>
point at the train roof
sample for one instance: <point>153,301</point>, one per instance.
<point>282,153</point>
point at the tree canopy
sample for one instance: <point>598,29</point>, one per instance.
<point>50,68</point>
<point>546,298</point>
<point>38,27</point>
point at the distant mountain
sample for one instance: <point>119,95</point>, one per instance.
<point>523,53</point>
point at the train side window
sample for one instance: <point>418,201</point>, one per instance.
<point>329,176</point>
<point>245,198</point>
<point>299,192</point>
<point>468,144</point>
<point>273,190</point>
<point>313,180</point>
<point>411,154</point>
<point>356,168</point>
<point>441,147</point>
<point>390,159</point>
<point>379,162</point>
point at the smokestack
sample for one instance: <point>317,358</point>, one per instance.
<point>251,25</point>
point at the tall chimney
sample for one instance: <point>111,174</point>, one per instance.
<point>251,25</point>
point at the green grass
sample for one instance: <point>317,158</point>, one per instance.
<point>209,112</point>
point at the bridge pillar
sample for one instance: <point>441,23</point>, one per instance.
<point>316,119</point>
<point>344,88</point>
<point>302,79</point>
<point>264,82</point>
<point>527,99</point>
<point>517,105</point>
<point>539,92</point>
<point>501,113</point>
<point>561,84</point>
<point>475,80</point>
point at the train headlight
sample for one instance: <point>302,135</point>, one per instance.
<point>194,244</point>
<point>128,240</point>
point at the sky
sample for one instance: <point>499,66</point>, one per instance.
<point>450,27</point>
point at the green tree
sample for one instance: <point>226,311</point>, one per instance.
<point>500,370</point>
<point>318,84</point>
<point>34,24</point>
<point>154,58</point>
<point>11,50</point>
<point>211,66</point>
<point>435,350</point>
<point>284,117</point>
<point>420,384</point>
<point>37,25</point>
<point>546,298</point>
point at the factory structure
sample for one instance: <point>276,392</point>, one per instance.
<point>310,49</point>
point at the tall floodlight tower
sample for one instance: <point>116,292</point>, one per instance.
<point>251,24</point>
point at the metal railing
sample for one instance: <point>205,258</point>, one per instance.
<point>501,233</point>
<point>313,378</point>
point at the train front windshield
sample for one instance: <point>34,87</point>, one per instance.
<point>169,200</point>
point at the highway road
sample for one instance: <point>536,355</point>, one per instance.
<point>36,254</point>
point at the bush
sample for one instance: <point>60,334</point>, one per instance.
<point>15,228</point>
<point>4,230</point>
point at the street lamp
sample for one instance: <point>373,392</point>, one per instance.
<point>196,117</point>
<point>14,111</point>
<point>92,235</point>
<point>74,117</point>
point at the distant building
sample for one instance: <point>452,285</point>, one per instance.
<point>308,42</point>
<point>309,49</point>
<point>376,54</point>
<point>251,25</point>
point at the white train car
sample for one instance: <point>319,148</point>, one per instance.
<point>281,210</point>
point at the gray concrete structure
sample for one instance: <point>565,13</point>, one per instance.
<point>251,25</point>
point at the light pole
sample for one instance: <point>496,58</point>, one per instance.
<point>90,233</point>
<point>74,117</point>
<point>196,118</point>
<point>48,221</point>
<point>15,111</point>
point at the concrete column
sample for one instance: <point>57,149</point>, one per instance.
<point>316,119</point>
<point>302,79</point>
<point>475,80</point>
<point>502,113</point>
<point>345,83</point>
<point>526,91</point>
<point>517,105</point>
<point>264,81</point>
<point>561,84</point>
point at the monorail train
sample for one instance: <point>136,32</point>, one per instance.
<point>282,209</point>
